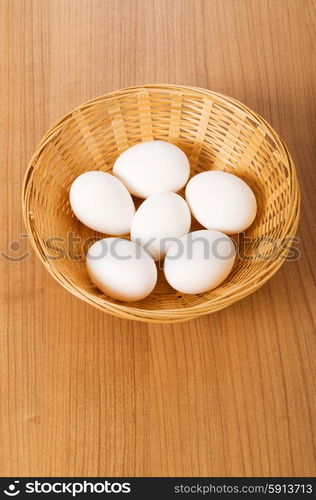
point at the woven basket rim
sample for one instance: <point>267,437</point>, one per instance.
<point>169,314</point>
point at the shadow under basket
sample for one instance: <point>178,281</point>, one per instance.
<point>217,133</point>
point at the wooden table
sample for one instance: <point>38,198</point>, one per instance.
<point>83,393</point>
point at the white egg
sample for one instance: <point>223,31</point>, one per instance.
<point>222,201</point>
<point>152,167</point>
<point>199,261</point>
<point>102,202</point>
<point>121,269</point>
<point>158,221</point>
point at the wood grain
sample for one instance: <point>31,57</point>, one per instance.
<point>82,393</point>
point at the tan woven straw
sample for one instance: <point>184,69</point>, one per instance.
<point>216,132</point>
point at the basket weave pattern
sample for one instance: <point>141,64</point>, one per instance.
<point>215,131</point>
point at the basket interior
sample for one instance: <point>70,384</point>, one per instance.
<point>215,133</point>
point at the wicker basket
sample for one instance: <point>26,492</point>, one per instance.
<point>216,132</point>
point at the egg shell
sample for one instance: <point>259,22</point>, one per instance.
<point>121,269</point>
<point>222,201</point>
<point>159,220</point>
<point>102,202</point>
<point>199,261</point>
<point>152,167</point>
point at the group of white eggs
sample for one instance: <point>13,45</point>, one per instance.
<point>155,170</point>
